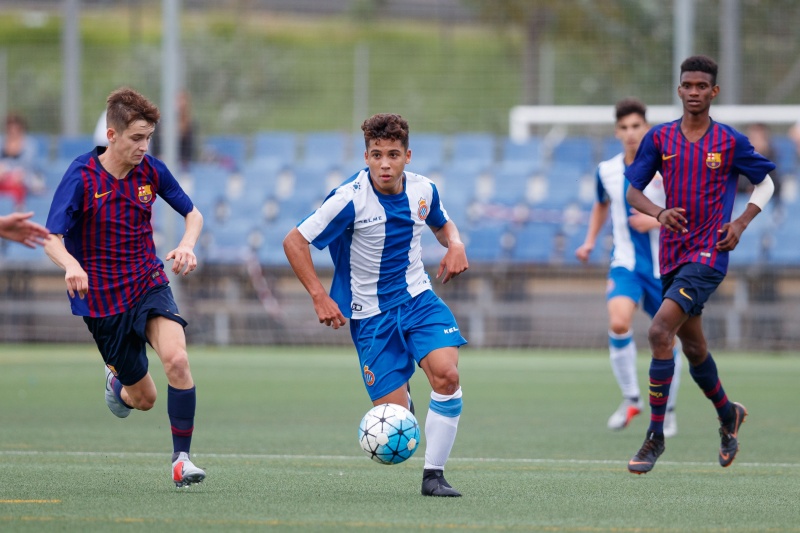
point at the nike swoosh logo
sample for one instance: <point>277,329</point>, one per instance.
<point>683,293</point>
<point>664,157</point>
<point>98,195</point>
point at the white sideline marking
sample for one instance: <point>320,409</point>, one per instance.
<point>265,456</point>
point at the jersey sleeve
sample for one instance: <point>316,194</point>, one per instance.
<point>330,220</point>
<point>601,195</point>
<point>438,215</point>
<point>749,162</point>
<point>67,204</point>
<point>170,190</point>
<point>646,163</point>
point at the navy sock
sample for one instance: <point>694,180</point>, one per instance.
<point>180,408</point>
<point>661,372</point>
<point>705,375</point>
<point>116,386</point>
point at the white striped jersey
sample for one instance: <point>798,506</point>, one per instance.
<point>638,252</point>
<point>374,241</point>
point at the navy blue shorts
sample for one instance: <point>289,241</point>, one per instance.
<point>122,338</point>
<point>690,286</point>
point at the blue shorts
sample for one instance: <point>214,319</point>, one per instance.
<point>389,344</point>
<point>639,287</point>
<point>122,338</point>
<point>690,286</point>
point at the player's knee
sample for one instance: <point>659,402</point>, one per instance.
<point>659,337</point>
<point>446,382</point>
<point>176,366</point>
<point>143,402</point>
<point>618,326</point>
<point>695,351</point>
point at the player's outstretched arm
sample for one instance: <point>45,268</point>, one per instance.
<point>597,218</point>
<point>75,277</point>
<point>454,261</point>
<point>183,257</point>
<point>295,246</point>
<point>19,228</point>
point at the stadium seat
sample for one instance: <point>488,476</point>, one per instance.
<point>533,243</point>
<point>488,243</point>
<point>477,149</point>
<point>427,150</point>
<point>275,145</point>
<point>577,151</point>
<point>229,151</point>
<point>325,148</point>
<point>563,184</point>
<point>510,187</point>
<point>526,156</point>
<point>785,155</point>
<point>609,147</point>
<point>71,147</point>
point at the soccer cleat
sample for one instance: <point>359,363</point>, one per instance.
<point>670,424</point>
<point>626,412</point>
<point>645,458</point>
<point>117,407</point>
<point>729,435</point>
<point>434,484</point>
<point>184,472</point>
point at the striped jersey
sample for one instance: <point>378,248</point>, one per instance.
<point>106,227</point>
<point>374,241</point>
<point>635,251</point>
<point>700,177</point>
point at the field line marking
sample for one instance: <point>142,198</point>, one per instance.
<point>301,457</point>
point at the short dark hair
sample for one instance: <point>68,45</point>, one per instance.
<point>387,126</point>
<point>125,106</point>
<point>629,106</point>
<point>701,64</point>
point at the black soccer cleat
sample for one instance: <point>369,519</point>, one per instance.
<point>729,435</point>
<point>434,484</point>
<point>645,458</point>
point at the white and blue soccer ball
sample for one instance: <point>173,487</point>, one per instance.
<point>389,434</point>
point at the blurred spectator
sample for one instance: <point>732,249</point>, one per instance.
<point>186,133</point>
<point>761,139</point>
<point>19,162</point>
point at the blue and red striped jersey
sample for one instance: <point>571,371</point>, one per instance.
<point>700,177</point>
<point>106,227</point>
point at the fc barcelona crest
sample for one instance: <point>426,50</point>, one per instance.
<point>422,210</point>
<point>145,194</point>
<point>713,160</point>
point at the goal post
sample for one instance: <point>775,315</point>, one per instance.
<point>522,118</point>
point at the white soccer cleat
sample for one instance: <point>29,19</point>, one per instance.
<point>626,412</point>
<point>118,408</point>
<point>184,472</point>
<point>670,424</point>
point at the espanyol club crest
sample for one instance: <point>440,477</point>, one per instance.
<point>422,211</point>
<point>713,160</point>
<point>369,376</point>
<point>145,194</point>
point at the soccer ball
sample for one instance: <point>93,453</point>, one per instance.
<point>389,434</point>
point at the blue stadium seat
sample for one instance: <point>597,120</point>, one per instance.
<point>576,150</point>
<point>71,147</point>
<point>44,143</point>
<point>785,249</point>
<point>609,147</point>
<point>785,155</point>
<point>487,243</point>
<point>229,151</point>
<point>526,156</point>
<point>510,187</point>
<point>563,184</point>
<point>276,145</point>
<point>427,151</point>
<point>325,148</point>
<point>533,243</point>
<point>477,149</point>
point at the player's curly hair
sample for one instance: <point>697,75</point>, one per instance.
<point>387,126</point>
<point>701,64</point>
<point>125,106</point>
<point>629,106</point>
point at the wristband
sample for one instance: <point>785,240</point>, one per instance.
<point>659,214</point>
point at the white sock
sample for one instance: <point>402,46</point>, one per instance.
<point>622,350</point>
<point>440,429</point>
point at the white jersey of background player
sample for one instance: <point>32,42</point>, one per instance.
<point>633,278</point>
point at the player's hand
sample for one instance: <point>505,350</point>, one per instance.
<point>583,252</point>
<point>453,263</point>
<point>328,312</point>
<point>641,222</point>
<point>184,259</point>
<point>730,234</point>
<point>18,227</point>
<point>77,281</point>
<point>673,219</point>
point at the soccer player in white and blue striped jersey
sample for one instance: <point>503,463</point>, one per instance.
<point>372,225</point>
<point>634,274</point>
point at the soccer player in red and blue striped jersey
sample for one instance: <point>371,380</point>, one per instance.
<point>102,236</point>
<point>700,161</point>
